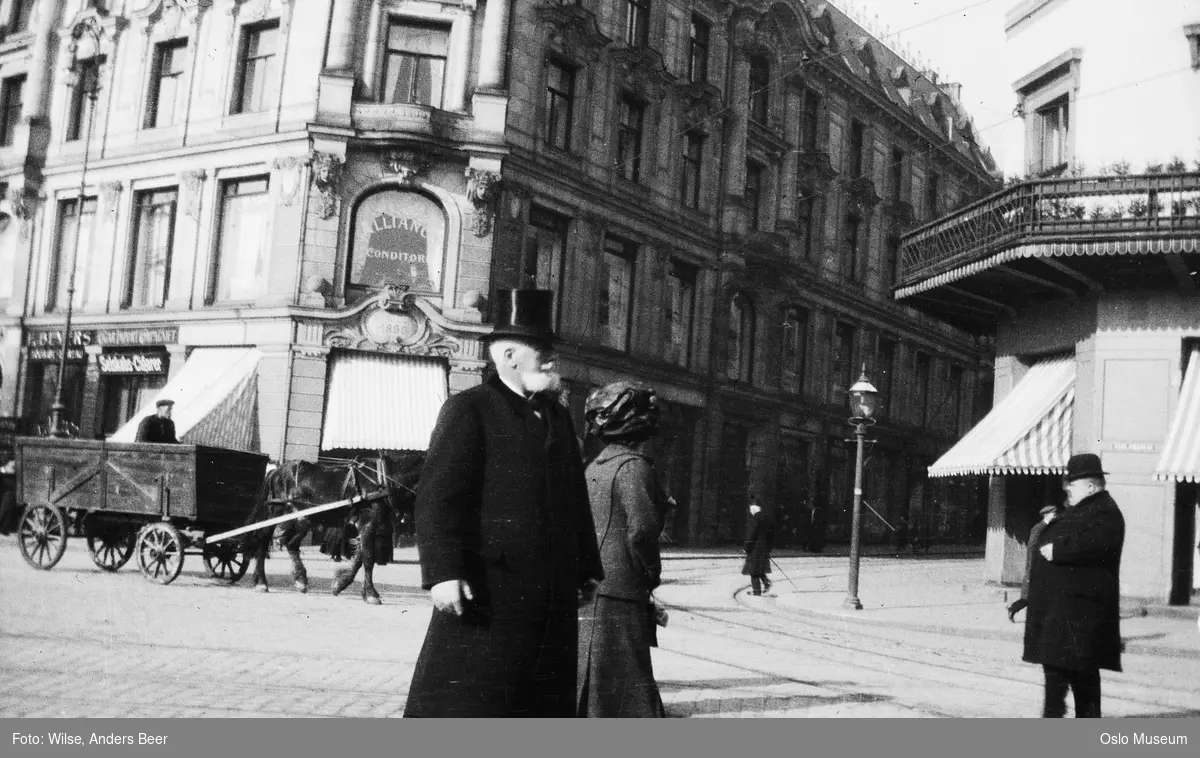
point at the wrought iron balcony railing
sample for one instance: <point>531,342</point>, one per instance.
<point>1083,209</point>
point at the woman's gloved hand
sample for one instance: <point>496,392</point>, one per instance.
<point>1017,606</point>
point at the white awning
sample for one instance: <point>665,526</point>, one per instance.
<point>1028,432</point>
<point>1181,455</point>
<point>382,402</point>
<point>216,400</point>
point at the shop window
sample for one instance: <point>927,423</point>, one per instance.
<point>10,108</point>
<point>73,238</point>
<point>123,396</point>
<point>80,112</point>
<point>258,69</point>
<point>616,293</point>
<point>398,239</point>
<point>698,47</point>
<point>560,104</point>
<point>166,83</point>
<point>41,392</point>
<point>740,362</point>
<point>149,269</point>
<point>681,284</point>
<point>629,137</point>
<point>415,66</point>
<point>244,240</point>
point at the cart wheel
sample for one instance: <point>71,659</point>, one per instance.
<point>42,536</point>
<point>226,562</point>
<point>159,552</point>
<point>110,552</point>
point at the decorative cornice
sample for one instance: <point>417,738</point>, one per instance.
<point>643,71</point>
<point>573,32</point>
<point>861,192</point>
<point>406,165</point>
<point>815,166</point>
<point>700,104</point>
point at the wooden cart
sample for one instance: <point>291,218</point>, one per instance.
<point>150,501</point>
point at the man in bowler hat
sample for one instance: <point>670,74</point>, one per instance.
<point>159,427</point>
<point>1072,624</point>
<point>505,535</point>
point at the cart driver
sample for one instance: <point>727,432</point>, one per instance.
<point>159,427</point>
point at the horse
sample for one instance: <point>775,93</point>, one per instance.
<point>297,485</point>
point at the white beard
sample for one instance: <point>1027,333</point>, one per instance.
<point>541,381</point>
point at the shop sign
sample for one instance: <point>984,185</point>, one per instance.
<point>384,327</point>
<point>147,335</point>
<point>397,252</point>
<point>132,363</point>
<point>54,354</point>
<point>1135,447</point>
<point>54,338</point>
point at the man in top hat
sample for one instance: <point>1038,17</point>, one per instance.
<point>1072,624</point>
<point>159,427</point>
<point>505,535</point>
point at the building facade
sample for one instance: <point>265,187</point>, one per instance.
<point>1086,275</point>
<point>288,215</point>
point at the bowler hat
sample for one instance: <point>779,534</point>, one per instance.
<point>1083,465</point>
<point>164,401</point>
<point>523,315</point>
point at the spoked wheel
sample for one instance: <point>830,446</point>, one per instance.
<point>42,536</point>
<point>159,552</point>
<point>226,562</point>
<point>110,551</point>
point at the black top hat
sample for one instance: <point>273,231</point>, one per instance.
<point>164,401</point>
<point>1084,465</point>
<point>524,315</point>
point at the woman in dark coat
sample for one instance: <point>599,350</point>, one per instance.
<point>758,549</point>
<point>616,632</point>
<point>1073,623</point>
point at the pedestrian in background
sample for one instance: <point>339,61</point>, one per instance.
<point>159,427</point>
<point>758,549</point>
<point>617,629</point>
<point>505,535</point>
<point>1047,514</point>
<point>1073,622</point>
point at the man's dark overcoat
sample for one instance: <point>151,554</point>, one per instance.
<point>1073,620</point>
<point>156,429</point>
<point>503,505</point>
<point>758,545</point>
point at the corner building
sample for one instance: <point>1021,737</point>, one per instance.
<point>310,219</point>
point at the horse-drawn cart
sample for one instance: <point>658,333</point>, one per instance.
<point>150,501</point>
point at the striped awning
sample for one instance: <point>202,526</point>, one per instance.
<point>1181,455</point>
<point>1028,432</point>
<point>216,400</point>
<point>382,402</point>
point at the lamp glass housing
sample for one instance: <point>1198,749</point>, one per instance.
<point>864,399</point>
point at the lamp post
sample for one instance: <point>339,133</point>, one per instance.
<point>863,397</point>
<point>90,27</point>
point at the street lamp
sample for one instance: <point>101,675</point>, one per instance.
<point>863,399</point>
<point>89,26</point>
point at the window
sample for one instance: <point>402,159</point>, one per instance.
<point>891,260</point>
<point>885,364</point>
<point>805,201</point>
<point>241,270</point>
<point>810,121</point>
<point>124,396</point>
<point>852,244</point>
<point>166,80</point>
<point>698,50</point>
<point>629,138</point>
<point>740,363</point>
<point>857,136</point>
<point>841,372</point>
<point>795,349</point>
<point>545,244</point>
<point>41,390</point>
<point>415,64</point>
<point>80,113</point>
<point>74,238</point>
<point>753,193</point>
<point>1053,125</point>
<point>682,287</point>
<point>258,69</point>
<point>616,293</point>
<point>932,190</point>
<point>149,271</point>
<point>637,22</point>
<point>10,108</point>
<point>21,11</point>
<point>693,160</point>
<point>954,400</point>
<point>923,368</point>
<point>896,176</point>
<point>760,88</point>
<point>560,103</point>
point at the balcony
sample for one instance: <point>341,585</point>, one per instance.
<point>1054,238</point>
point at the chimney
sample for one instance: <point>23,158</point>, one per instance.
<point>954,90</point>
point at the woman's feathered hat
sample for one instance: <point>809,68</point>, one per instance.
<point>622,412</point>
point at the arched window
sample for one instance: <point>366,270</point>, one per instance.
<point>399,238</point>
<point>741,339</point>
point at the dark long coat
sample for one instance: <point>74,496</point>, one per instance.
<point>758,545</point>
<point>156,429</point>
<point>1073,620</point>
<point>503,505</point>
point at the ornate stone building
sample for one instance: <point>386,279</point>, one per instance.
<point>299,214</point>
